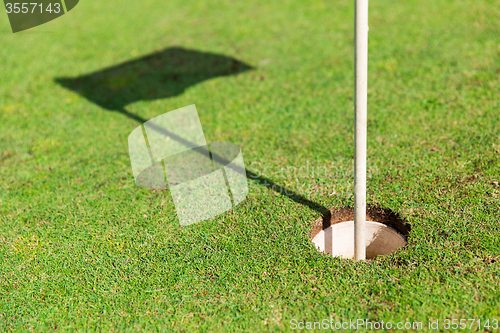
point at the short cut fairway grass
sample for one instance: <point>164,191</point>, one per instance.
<point>83,248</point>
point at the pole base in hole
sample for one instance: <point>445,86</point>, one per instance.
<point>338,240</point>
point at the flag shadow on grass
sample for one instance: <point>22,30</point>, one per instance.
<point>162,74</point>
<point>165,74</point>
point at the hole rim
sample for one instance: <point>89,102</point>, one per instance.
<point>373,213</point>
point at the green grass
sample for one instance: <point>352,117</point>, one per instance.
<point>83,248</point>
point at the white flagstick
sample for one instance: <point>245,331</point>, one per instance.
<point>361,82</point>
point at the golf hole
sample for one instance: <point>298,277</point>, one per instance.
<point>333,234</point>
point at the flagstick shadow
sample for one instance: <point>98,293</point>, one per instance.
<point>259,179</point>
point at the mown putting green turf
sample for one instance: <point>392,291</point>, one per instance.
<point>83,248</point>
